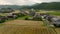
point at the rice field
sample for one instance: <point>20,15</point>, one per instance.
<point>58,30</point>
<point>25,27</point>
<point>26,30</point>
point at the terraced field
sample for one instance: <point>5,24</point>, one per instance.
<point>25,27</point>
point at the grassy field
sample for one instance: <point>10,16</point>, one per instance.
<point>3,14</point>
<point>54,13</point>
<point>22,18</point>
<point>25,27</point>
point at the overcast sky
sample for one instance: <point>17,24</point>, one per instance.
<point>24,2</point>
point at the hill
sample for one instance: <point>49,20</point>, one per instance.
<point>45,6</point>
<point>10,6</point>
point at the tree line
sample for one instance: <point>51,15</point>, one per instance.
<point>45,6</point>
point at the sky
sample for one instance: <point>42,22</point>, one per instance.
<point>24,2</point>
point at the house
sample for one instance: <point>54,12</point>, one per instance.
<point>37,16</point>
<point>56,22</point>
<point>11,16</point>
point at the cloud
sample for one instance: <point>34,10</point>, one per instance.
<point>24,2</point>
<point>4,2</point>
<point>50,0</point>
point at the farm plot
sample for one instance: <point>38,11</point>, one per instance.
<point>25,30</point>
<point>58,30</point>
<point>25,22</point>
<point>25,27</point>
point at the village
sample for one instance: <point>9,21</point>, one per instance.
<point>28,20</point>
<point>31,15</point>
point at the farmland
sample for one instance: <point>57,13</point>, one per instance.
<point>25,27</point>
<point>22,26</point>
<point>55,13</point>
<point>29,17</point>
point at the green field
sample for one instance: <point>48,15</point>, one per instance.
<point>54,13</point>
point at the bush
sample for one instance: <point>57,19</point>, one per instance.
<point>26,18</point>
<point>2,21</point>
<point>20,15</point>
<point>40,19</point>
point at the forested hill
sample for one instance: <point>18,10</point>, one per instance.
<point>10,6</point>
<point>46,6</point>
